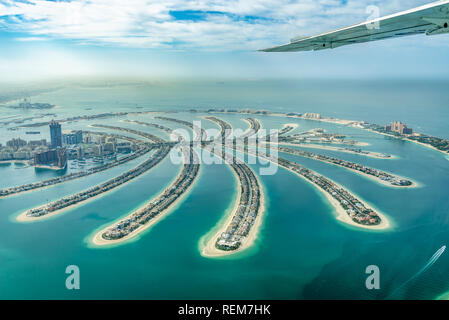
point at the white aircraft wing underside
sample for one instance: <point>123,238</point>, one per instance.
<point>429,19</point>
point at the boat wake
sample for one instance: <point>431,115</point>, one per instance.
<point>429,263</point>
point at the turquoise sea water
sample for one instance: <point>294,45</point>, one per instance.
<point>302,251</point>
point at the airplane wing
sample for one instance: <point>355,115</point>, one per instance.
<point>430,19</point>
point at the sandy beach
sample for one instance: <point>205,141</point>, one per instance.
<point>357,144</point>
<point>24,218</point>
<point>371,177</point>
<point>341,213</point>
<point>329,120</point>
<point>427,145</point>
<point>250,130</point>
<point>344,217</point>
<point>98,239</point>
<point>228,133</point>
<point>209,250</point>
<point>385,183</point>
<point>334,121</point>
<point>284,115</point>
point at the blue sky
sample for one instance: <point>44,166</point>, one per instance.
<point>203,38</point>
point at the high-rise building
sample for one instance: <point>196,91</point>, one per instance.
<point>16,143</point>
<point>109,147</point>
<point>80,153</point>
<point>88,139</point>
<point>73,137</point>
<point>51,157</point>
<point>23,153</point>
<point>398,127</point>
<point>62,158</point>
<point>311,115</point>
<point>46,157</point>
<point>36,143</point>
<point>55,134</point>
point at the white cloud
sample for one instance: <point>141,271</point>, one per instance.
<point>148,23</point>
<point>25,39</point>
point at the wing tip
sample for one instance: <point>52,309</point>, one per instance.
<point>274,49</point>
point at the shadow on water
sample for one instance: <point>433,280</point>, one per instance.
<point>40,171</point>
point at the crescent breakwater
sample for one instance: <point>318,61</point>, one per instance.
<point>434,143</point>
<point>17,120</point>
<point>289,140</point>
<point>85,117</point>
<point>321,136</point>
